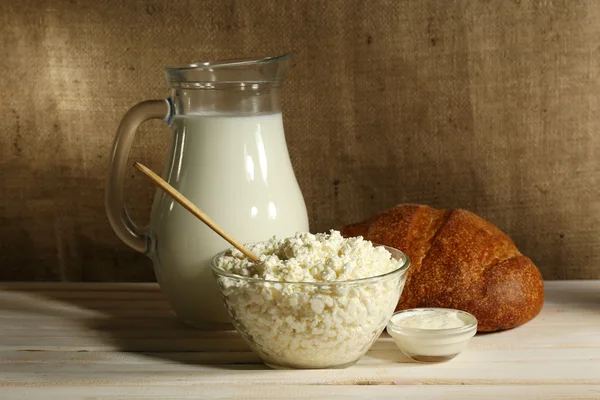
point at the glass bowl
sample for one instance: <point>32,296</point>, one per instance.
<point>436,344</point>
<point>296,325</point>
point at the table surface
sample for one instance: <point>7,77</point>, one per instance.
<point>60,340</point>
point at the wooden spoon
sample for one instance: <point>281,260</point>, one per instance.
<point>188,205</point>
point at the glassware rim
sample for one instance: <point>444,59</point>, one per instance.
<point>400,270</point>
<point>232,63</point>
<point>409,331</point>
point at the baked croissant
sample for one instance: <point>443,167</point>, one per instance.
<point>461,261</point>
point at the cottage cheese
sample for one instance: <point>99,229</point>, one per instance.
<point>305,309</point>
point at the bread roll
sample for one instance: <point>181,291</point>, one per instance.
<point>461,261</point>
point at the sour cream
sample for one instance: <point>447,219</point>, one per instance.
<point>432,334</point>
<point>440,318</point>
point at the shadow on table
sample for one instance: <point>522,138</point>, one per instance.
<point>395,356</point>
<point>148,328</point>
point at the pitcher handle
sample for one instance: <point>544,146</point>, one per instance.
<point>119,219</point>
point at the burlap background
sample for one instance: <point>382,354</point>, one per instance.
<point>486,105</point>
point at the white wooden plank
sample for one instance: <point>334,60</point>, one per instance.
<point>87,323</point>
<point>21,304</point>
<point>74,295</point>
<point>109,306</point>
<point>45,322</point>
<point>74,312</point>
<point>301,392</point>
<point>455,373</point>
<point>170,327</point>
<point>16,324</point>
<point>554,316</point>
<point>129,334</point>
<point>80,286</point>
<point>134,359</point>
<point>526,337</point>
<point>374,357</point>
<point>75,299</point>
<point>565,288</point>
<point>27,311</point>
<point>539,337</point>
<point>234,343</point>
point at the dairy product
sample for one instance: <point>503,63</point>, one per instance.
<point>432,334</point>
<point>309,303</point>
<point>430,319</point>
<point>311,258</point>
<point>237,170</point>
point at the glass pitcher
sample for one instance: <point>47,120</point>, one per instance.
<point>228,156</point>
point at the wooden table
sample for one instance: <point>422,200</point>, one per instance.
<point>122,341</point>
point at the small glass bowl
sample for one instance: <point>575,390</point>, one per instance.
<point>431,345</point>
<point>307,325</point>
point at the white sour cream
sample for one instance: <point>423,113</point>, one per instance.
<point>430,319</point>
<point>432,334</point>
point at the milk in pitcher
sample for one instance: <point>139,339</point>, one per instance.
<point>237,170</point>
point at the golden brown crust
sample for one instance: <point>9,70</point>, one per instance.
<point>459,260</point>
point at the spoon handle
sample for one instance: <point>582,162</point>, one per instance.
<point>188,205</point>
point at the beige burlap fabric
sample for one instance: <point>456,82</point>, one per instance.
<point>486,105</point>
